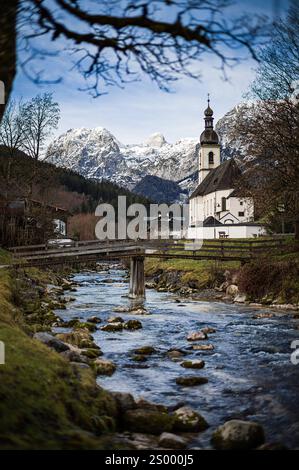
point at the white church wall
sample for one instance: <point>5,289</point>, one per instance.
<point>229,231</point>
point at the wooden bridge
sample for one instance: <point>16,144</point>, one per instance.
<point>92,251</point>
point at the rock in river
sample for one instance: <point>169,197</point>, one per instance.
<point>187,420</point>
<point>133,325</point>
<point>197,364</point>
<point>175,354</point>
<point>171,441</point>
<point>237,434</point>
<point>191,380</point>
<point>145,350</point>
<point>115,320</point>
<point>148,421</point>
<point>208,330</point>
<point>104,367</point>
<point>197,335</point>
<point>112,327</point>
<point>202,347</point>
<point>94,319</point>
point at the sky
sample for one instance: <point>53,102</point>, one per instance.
<point>141,109</point>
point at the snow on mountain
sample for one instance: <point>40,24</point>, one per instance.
<point>96,153</point>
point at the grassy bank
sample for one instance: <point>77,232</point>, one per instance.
<point>269,277</point>
<point>202,274</point>
<point>45,403</point>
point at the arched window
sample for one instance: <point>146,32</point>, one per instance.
<point>223,203</point>
<point>211,158</point>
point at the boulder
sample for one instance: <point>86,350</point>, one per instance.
<point>80,338</point>
<point>51,341</point>
<point>202,347</point>
<point>115,320</point>
<point>188,420</point>
<point>145,350</point>
<point>133,325</point>
<point>91,353</point>
<point>196,336</point>
<point>171,441</point>
<point>175,353</point>
<point>104,367</point>
<point>191,380</point>
<point>94,319</point>
<point>139,311</point>
<point>139,358</point>
<point>75,356</point>
<point>147,421</point>
<point>148,405</point>
<point>197,364</point>
<point>237,434</point>
<point>121,309</point>
<point>125,401</point>
<point>232,290</point>
<point>112,327</point>
<point>240,298</point>
<point>208,330</point>
<point>86,325</point>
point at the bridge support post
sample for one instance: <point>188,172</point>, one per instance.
<point>137,287</point>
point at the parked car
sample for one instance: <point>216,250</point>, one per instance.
<point>61,242</point>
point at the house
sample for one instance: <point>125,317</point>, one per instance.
<point>25,221</point>
<point>217,208</point>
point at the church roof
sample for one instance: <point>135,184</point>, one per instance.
<point>222,177</point>
<point>211,221</point>
<point>209,136</point>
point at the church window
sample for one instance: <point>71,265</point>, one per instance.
<point>211,158</point>
<point>223,203</point>
<point>241,214</point>
<point>241,203</point>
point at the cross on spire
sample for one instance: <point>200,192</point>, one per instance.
<point>208,99</point>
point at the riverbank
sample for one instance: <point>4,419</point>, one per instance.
<point>266,282</point>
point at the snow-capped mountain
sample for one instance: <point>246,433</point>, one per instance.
<point>96,153</point>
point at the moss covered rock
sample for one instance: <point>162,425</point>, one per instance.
<point>112,327</point>
<point>197,364</point>
<point>133,325</point>
<point>145,350</point>
<point>104,367</point>
<point>147,421</point>
<point>237,434</point>
<point>188,420</point>
<point>191,381</point>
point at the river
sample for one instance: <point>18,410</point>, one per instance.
<point>249,371</point>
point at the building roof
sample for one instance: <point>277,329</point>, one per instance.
<point>211,221</point>
<point>209,136</point>
<point>222,177</point>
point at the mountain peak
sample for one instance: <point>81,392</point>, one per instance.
<point>156,140</point>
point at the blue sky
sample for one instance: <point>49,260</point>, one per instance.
<point>141,108</point>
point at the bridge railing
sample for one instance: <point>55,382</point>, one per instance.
<point>223,248</point>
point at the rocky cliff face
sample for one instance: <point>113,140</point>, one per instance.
<point>96,153</point>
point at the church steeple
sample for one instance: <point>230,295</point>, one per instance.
<point>209,136</point>
<point>209,155</point>
<point>209,115</point>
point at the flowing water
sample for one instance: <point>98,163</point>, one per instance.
<point>249,371</point>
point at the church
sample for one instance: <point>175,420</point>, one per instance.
<point>217,208</point>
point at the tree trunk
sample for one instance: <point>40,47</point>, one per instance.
<point>297,230</point>
<point>8,20</point>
